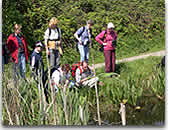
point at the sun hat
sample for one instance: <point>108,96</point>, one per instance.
<point>110,25</point>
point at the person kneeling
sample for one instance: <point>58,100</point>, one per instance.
<point>85,76</point>
<point>60,76</point>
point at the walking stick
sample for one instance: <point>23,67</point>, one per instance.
<point>52,95</point>
<point>97,98</point>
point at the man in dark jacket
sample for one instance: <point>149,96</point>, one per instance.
<point>37,65</point>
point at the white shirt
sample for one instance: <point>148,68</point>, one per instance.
<point>57,75</point>
<point>54,34</point>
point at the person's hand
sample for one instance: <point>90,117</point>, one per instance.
<point>105,43</point>
<point>80,41</point>
<point>83,80</point>
<point>58,43</point>
<point>47,51</point>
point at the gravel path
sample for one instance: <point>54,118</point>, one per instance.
<point>159,53</point>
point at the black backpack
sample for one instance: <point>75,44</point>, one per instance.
<point>57,31</point>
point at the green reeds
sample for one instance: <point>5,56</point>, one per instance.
<point>156,83</point>
<point>25,105</point>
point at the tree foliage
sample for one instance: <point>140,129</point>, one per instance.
<point>142,19</point>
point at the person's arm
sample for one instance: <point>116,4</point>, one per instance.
<point>77,33</point>
<point>115,35</point>
<point>11,47</point>
<point>33,63</point>
<point>67,80</point>
<point>60,37</point>
<point>81,81</point>
<point>9,44</point>
<point>26,47</point>
<point>46,37</point>
<point>78,76</point>
<point>100,37</point>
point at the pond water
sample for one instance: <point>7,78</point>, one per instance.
<point>151,113</point>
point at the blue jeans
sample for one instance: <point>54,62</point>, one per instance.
<point>84,52</point>
<point>21,65</point>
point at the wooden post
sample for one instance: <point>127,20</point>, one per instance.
<point>97,98</point>
<point>122,111</point>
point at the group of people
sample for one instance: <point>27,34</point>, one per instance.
<point>60,74</point>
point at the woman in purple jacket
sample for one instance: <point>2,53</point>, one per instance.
<point>108,39</point>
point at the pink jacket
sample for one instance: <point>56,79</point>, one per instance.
<point>109,37</point>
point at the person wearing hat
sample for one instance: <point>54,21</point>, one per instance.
<point>83,41</point>
<point>108,38</point>
<point>53,42</point>
<point>37,65</point>
<point>18,51</point>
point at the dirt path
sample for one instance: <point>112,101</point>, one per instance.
<point>159,53</point>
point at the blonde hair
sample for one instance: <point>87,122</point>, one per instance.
<point>53,21</point>
<point>17,26</point>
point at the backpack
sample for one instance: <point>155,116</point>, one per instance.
<point>74,68</point>
<point>83,31</point>
<point>80,36</point>
<point>59,37</point>
<point>57,31</point>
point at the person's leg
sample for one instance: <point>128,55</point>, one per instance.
<point>86,50</point>
<point>15,73</point>
<point>52,58</point>
<point>22,66</point>
<point>57,56</point>
<point>113,61</point>
<point>81,50</point>
<point>107,55</point>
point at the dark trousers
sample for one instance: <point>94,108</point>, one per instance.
<point>54,58</point>
<point>109,61</point>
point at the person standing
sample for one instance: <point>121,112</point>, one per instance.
<point>5,53</point>
<point>18,49</point>
<point>53,42</point>
<point>108,39</point>
<point>37,65</point>
<point>83,41</point>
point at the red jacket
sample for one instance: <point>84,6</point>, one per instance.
<point>12,44</point>
<point>109,37</point>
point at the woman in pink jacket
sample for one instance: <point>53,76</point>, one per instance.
<point>108,39</point>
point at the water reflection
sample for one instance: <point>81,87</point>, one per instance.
<point>151,113</point>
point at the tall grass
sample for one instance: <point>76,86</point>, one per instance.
<point>26,105</point>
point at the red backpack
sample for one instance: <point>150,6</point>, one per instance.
<point>74,68</point>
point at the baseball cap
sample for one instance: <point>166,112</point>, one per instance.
<point>38,44</point>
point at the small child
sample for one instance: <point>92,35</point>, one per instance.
<point>37,65</point>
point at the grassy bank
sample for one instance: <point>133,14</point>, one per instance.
<point>139,83</point>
